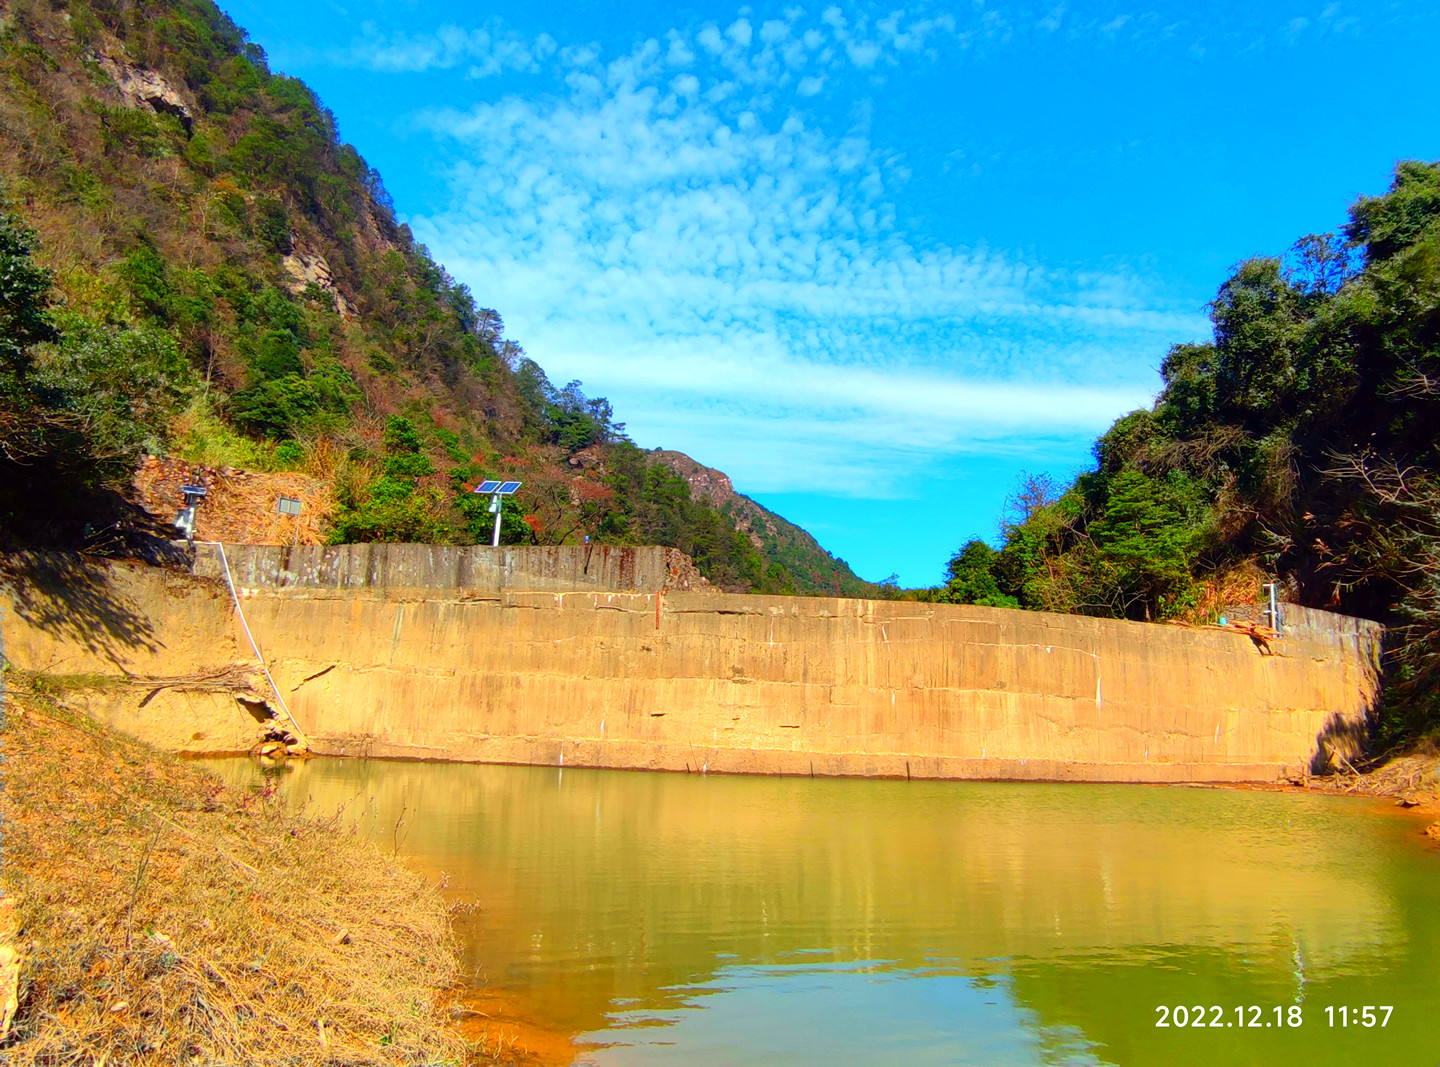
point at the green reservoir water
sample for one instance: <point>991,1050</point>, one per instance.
<point>669,919</point>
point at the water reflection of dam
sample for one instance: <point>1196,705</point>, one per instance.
<point>612,895</point>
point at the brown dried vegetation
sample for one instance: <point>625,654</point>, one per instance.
<point>167,919</point>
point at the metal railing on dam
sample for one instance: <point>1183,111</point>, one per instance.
<point>629,673</point>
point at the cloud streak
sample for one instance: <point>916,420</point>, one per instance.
<point>485,52</point>
<point>797,49</point>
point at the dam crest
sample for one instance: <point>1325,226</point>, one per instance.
<point>624,658</point>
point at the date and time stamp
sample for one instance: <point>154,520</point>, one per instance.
<point>1278,1016</point>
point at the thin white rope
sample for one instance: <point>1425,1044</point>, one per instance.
<point>230,584</point>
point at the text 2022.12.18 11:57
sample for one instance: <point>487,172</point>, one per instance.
<point>1254,1016</point>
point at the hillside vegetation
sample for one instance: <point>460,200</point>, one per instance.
<point>1300,443</point>
<point>193,263</point>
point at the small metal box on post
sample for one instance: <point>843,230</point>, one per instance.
<point>1274,609</point>
<point>496,491</point>
<point>185,520</point>
<point>289,505</point>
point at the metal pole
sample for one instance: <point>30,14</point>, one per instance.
<point>1274,610</point>
<point>255,648</point>
<point>495,502</point>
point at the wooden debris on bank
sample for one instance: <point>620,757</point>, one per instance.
<point>1260,635</point>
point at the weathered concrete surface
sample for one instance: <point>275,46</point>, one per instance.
<point>448,568</point>
<point>712,681</point>
<point>154,652</point>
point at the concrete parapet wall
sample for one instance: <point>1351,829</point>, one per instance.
<point>710,681</point>
<point>447,568</point>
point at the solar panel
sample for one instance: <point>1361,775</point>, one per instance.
<point>487,486</point>
<point>508,487</point>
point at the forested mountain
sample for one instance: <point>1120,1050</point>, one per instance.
<point>1301,442</point>
<point>792,552</point>
<point>193,263</point>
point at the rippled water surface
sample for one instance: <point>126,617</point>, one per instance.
<point>669,919</point>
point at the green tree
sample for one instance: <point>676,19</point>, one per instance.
<point>275,407</point>
<point>78,400</point>
<point>1143,548</point>
<point>119,387</point>
<point>24,323</point>
<point>394,507</point>
<point>147,275</point>
<point>972,578</point>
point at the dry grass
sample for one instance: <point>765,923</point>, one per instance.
<point>1240,585</point>
<point>241,504</point>
<point>166,920</point>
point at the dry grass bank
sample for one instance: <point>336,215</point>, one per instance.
<point>164,919</point>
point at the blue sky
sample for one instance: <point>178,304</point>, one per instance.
<point>871,261</point>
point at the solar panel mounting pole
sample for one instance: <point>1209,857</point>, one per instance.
<point>496,491</point>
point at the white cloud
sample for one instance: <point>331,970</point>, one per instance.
<point>704,253</point>
<point>679,53</point>
<point>485,52</point>
<point>774,31</point>
<point>761,52</point>
<point>863,54</point>
<point>1051,22</point>
<point>739,31</point>
<point>710,40</point>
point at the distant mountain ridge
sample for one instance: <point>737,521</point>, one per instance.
<point>814,569</point>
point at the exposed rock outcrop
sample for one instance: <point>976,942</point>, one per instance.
<point>143,88</point>
<point>706,483</point>
<point>308,268</point>
<point>779,541</point>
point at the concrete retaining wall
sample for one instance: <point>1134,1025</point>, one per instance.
<point>446,568</point>
<point>729,683</point>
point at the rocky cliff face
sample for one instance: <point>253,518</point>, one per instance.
<point>814,569</point>
<point>706,483</point>
<point>147,89</point>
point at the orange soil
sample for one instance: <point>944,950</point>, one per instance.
<point>499,1021</point>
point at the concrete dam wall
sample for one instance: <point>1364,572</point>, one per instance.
<point>706,681</point>
<point>442,569</point>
